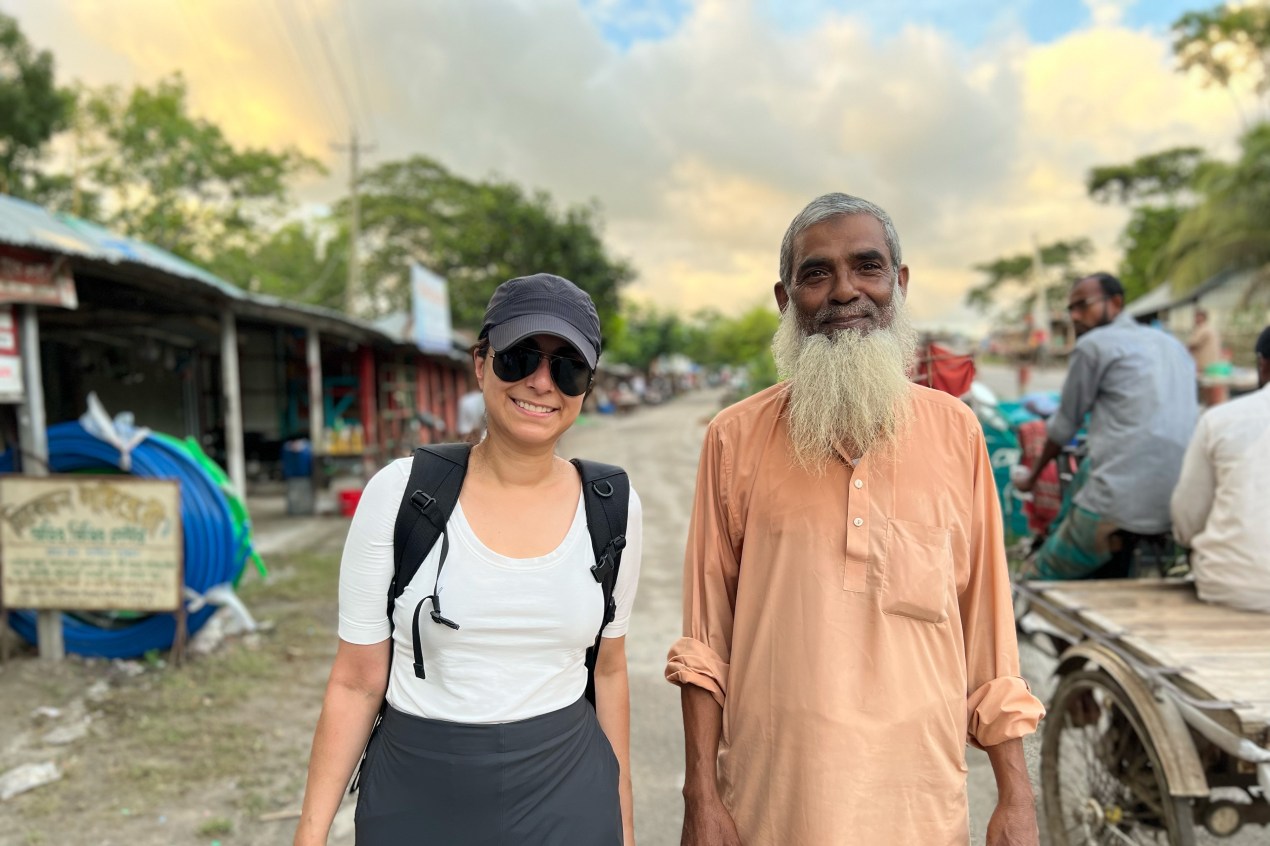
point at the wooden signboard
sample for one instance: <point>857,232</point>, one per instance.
<point>91,543</point>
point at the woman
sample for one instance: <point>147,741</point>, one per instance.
<point>496,744</point>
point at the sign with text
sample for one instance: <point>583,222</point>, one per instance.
<point>430,307</point>
<point>11,386</point>
<point>91,543</point>
<point>36,278</point>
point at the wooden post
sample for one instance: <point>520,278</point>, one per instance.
<point>232,403</point>
<point>424,377</point>
<point>313,358</point>
<point>181,638</point>
<point>368,409</point>
<point>438,399</point>
<point>4,635</point>
<point>33,441</point>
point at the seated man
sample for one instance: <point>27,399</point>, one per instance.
<point>1138,388</point>
<point>1219,505</point>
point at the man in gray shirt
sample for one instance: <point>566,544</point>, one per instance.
<point>1137,385</point>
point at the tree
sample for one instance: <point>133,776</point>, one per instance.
<point>477,235</point>
<point>717,341</point>
<point>175,180</point>
<point>746,341</point>
<point>1051,279</point>
<point>32,108</point>
<point>1226,43</point>
<point>642,334</point>
<point>1229,228</point>
<point>1158,189</point>
<point>301,262</point>
<point>1158,177</point>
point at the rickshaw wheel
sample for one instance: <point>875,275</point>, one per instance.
<point>1101,777</point>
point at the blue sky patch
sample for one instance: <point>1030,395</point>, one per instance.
<point>972,22</point>
<point>625,22</point>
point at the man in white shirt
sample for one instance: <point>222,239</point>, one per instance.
<point>1219,506</point>
<point>472,416</point>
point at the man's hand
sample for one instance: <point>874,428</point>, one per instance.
<point>1026,484</point>
<point>1013,824</point>
<point>708,823</point>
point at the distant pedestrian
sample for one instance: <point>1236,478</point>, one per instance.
<point>1204,345</point>
<point>472,416</point>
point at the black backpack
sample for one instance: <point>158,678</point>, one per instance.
<point>436,476</point>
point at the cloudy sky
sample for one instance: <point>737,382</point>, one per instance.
<point>700,126</point>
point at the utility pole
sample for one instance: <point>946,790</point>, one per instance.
<point>354,148</point>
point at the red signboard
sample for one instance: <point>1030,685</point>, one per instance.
<point>35,278</point>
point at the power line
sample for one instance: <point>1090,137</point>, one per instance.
<point>333,67</point>
<point>359,74</point>
<point>291,29</point>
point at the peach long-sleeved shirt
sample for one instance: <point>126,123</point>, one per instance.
<point>856,628</point>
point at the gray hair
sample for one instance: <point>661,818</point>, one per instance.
<point>829,206</point>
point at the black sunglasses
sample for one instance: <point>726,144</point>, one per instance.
<point>572,377</point>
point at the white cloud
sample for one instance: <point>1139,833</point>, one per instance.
<point>1107,12</point>
<point>702,144</point>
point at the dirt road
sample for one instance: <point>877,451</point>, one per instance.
<point>660,447</point>
<point>215,751</point>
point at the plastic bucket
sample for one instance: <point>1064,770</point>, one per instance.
<point>348,501</point>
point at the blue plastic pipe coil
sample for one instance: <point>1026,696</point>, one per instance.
<point>213,554</point>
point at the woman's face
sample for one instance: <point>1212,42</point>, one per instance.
<point>532,409</point>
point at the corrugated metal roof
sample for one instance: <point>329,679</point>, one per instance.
<point>1152,301</point>
<point>397,326</point>
<point>1162,298</point>
<point>24,224</point>
<point>303,310</point>
<point>119,248</point>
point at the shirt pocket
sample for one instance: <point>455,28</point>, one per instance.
<point>916,571</point>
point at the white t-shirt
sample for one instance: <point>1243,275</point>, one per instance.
<point>524,623</point>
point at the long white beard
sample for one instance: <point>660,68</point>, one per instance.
<point>849,391</point>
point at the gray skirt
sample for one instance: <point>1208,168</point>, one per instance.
<point>549,780</point>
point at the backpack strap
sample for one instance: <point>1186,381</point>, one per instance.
<point>606,492</point>
<point>432,492</point>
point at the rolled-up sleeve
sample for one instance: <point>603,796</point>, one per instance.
<point>999,704</point>
<point>711,566</point>
<point>1080,386</point>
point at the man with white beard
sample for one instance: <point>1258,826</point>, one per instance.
<point>847,615</point>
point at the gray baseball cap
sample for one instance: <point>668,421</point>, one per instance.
<point>543,304</point>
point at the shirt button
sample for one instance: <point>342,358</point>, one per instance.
<point>859,521</point>
<point>859,483</point>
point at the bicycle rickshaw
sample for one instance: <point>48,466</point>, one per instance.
<point>1158,729</point>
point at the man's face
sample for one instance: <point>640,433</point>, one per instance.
<point>843,277</point>
<point>1088,306</point>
